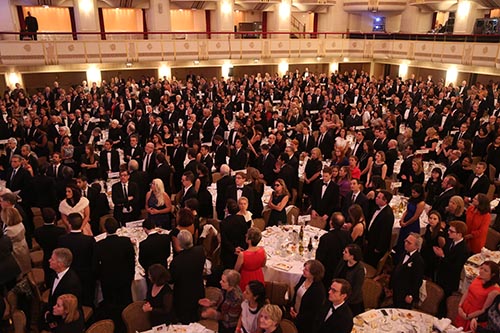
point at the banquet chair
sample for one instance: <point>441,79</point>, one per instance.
<point>276,292</point>
<point>259,224</point>
<point>210,324</point>
<point>39,277</point>
<point>36,301</point>
<point>216,176</point>
<point>214,294</point>
<point>317,222</point>
<point>102,220</point>
<point>452,305</point>
<point>292,216</point>
<point>37,258</point>
<point>372,290</point>
<point>18,321</point>
<point>372,272</point>
<point>435,295</point>
<point>492,172</point>
<point>491,192</point>
<point>492,239</point>
<point>265,215</point>
<point>287,326</point>
<point>135,319</point>
<point>102,326</point>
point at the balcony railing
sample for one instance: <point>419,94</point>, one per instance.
<point>477,50</point>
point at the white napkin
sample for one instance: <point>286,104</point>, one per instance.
<point>206,230</point>
<point>442,324</point>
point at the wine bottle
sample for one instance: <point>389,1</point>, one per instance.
<point>310,245</point>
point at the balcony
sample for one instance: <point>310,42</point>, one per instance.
<point>476,50</point>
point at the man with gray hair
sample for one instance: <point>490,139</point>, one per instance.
<point>65,280</point>
<point>141,178</point>
<point>222,185</point>
<point>408,274</point>
<point>187,276</point>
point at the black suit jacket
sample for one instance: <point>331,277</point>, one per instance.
<point>82,248</point>
<point>221,152</point>
<point>155,249</point>
<point>361,200</point>
<point>47,236</point>
<point>406,279</point>
<point>266,167</point>
<point>311,303</point>
<point>238,160</point>
<point>222,185</point>
<point>339,322</point>
<point>329,251</point>
<point>311,143</point>
<point>247,192</point>
<point>326,145</point>
<point>69,284</point>
<point>482,185</point>
<point>455,169</point>
<point>163,172</point>
<point>442,200</point>
<point>290,176</point>
<point>9,269</point>
<point>177,159</point>
<point>137,155</point>
<point>115,261</point>
<point>233,231</point>
<point>121,201</point>
<point>380,231</point>
<point>194,134</point>
<point>103,162</point>
<point>21,181</point>
<point>330,202</point>
<point>450,267</point>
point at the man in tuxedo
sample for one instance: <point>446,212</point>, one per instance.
<point>451,258</point>
<point>140,178</point>
<point>57,171</point>
<point>155,249</point>
<point>379,232</point>
<point>93,196</point>
<point>82,249</point>
<point>149,160</point>
<point>221,151</point>
<point>325,197</point>
<point>18,178</point>
<point>207,125</point>
<point>306,140</point>
<point>125,196</point>
<point>47,237</point>
<point>163,171</point>
<point>455,165</point>
<point>335,315</point>
<point>357,148</point>
<point>408,274</point>
<point>266,163</point>
<point>115,267</point>
<point>331,245</point>
<point>239,189</point>
<point>223,183</point>
<point>177,162</point>
<point>477,183</point>
<point>380,142</point>
<point>441,202</point>
<point>233,231</point>
<point>188,191</point>
<point>109,160</point>
<point>355,197</point>
<point>239,156</point>
<point>353,120</point>
<point>190,134</point>
<point>133,151</point>
<point>206,159</point>
<point>217,130</point>
<point>65,280</point>
<point>325,142</point>
<point>192,165</point>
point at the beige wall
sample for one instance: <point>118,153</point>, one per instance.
<point>51,19</point>
<point>122,19</point>
<point>37,81</point>
<point>187,20</point>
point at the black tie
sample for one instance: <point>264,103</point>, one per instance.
<point>125,191</point>
<point>13,175</point>
<point>239,189</point>
<point>353,198</point>
<point>452,246</point>
<point>325,184</point>
<point>55,171</point>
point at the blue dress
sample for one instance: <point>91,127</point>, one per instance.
<point>405,231</point>
<point>160,220</point>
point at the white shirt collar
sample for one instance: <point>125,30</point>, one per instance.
<point>60,275</point>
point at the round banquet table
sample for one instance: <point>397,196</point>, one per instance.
<point>284,263</point>
<point>471,267</point>
<point>400,321</point>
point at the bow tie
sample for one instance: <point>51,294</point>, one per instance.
<point>239,189</point>
<point>325,184</point>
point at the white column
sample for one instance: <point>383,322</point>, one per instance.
<point>222,18</point>
<point>12,77</point>
<point>466,15</point>
<point>87,18</point>
<point>8,20</point>
<point>279,20</point>
<point>158,18</point>
<point>413,20</point>
<point>334,67</point>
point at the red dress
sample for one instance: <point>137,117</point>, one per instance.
<point>477,226</point>
<point>474,301</point>
<point>253,261</point>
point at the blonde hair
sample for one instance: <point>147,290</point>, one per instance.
<point>318,153</point>
<point>10,216</point>
<point>457,200</point>
<point>273,311</point>
<point>160,190</point>
<point>70,305</point>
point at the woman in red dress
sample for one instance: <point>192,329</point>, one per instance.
<point>478,219</point>
<point>251,261</point>
<point>480,295</point>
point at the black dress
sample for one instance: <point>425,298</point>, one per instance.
<point>427,252</point>
<point>313,166</point>
<point>162,305</point>
<point>433,189</point>
<point>205,208</point>
<point>91,173</point>
<point>277,217</point>
<point>363,163</point>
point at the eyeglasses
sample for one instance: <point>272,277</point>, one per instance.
<point>333,290</point>
<point>276,185</point>
<point>452,231</point>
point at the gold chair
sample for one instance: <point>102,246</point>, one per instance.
<point>491,192</point>
<point>135,319</point>
<point>216,176</point>
<point>492,239</point>
<point>210,324</point>
<point>372,290</point>
<point>87,313</point>
<point>318,222</point>
<point>492,172</point>
<point>293,215</point>
<point>435,295</point>
<point>39,277</point>
<point>276,291</point>
<point>214,294</point>
<point>287,326</point>
<point>102,326</point>
<point>37,258</point>
<point>370,271</point>
<point>259,224</point>
<point>19,321</point>
<point>452,306</point>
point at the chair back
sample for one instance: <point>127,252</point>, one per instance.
<point>372,290</point>
<point>492,239</point>
<point>210,324</point>
<point>214,294</point>
<point>287,326</point>
<point>135,319</point>
<point>259,224</point>
<point>435,295</point>
<point>210,243</point>
<point>370,271</point>
<point>265,215</point>
<point>292,216</point>
<point>452,306</point>
<point>318,222</point>
<point>19,321</point>
<point>216,176</point>
<point>491,192</point>
<point>382,262</point>
<point>102,326</point>
<point>276,291</point>
<point>492,173</point>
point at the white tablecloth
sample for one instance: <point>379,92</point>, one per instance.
<point>191,328</point>
<point>398,205</point>
<point>399,320</point>
<point>471,267</point>
<point>284,263</point>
